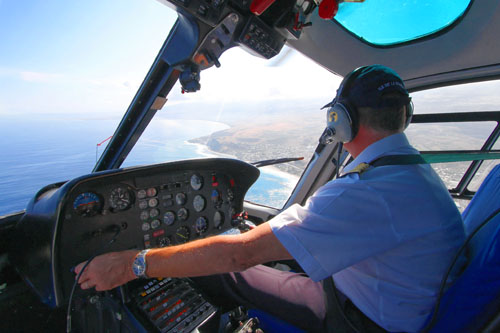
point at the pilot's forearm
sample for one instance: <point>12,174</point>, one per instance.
<point>219,254</point>
<point>208,256</point>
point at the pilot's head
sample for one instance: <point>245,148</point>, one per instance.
<point>371,96</point>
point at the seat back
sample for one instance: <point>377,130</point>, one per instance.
<point>474,298</point>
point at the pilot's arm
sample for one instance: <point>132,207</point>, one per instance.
<point>214,255</point>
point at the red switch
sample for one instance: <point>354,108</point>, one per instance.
<point>328,9</point>
<point>259,6</point>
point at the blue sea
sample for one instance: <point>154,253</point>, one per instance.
<point>43,149</point>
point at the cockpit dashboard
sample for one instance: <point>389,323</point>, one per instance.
<point>133,208</point>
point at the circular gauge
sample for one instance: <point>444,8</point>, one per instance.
<point>196,182</point>
<point>169,218</point>
<point>182,235</point>
<point>144,215</point>
<point>218,219</point>
<point>146,226</point>
<point>153,202</point>
<point>143,204</point>
<point>201,225</point>
<point>230,194</point>
<point>198,203</point>
<point>154,213</point>
<point>141,194</point>
<point>120,198</point>
<point>155,224</point>
<point>151,192</point>
<point>87,204</point>
<point>163,241</point>
<point>182,214</point>
<point>180,199</point>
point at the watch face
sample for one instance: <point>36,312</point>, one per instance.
<point>138,270</point>
<point>139,265</point>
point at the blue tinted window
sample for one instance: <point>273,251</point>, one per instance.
<point>386,22</point>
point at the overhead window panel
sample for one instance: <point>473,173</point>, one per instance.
<point>390,22</point>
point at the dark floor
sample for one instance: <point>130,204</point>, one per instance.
<point>22,311</point>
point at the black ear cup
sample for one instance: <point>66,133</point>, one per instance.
<point>409,113</point>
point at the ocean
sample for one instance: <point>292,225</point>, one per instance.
<point>44,149</point>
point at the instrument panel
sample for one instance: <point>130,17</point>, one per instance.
<point>180,207</point>
<point>153,206</point>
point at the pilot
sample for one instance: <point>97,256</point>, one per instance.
<point>385,232</point>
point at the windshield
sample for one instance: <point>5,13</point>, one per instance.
<point>59,107</point>
<point>250,109</point>
<point>68,71</point>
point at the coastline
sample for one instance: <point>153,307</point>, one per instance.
<point>272,188</point>
<point>205,151</point>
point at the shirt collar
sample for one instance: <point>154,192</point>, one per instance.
<point>394,144</point>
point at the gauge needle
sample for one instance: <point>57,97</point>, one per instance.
<point>180,235</point>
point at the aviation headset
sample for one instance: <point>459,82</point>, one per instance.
<point>342,115</point>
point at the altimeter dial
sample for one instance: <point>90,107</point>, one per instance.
<point>120,198</point>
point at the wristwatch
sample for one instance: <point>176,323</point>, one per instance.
<point>139,266</point>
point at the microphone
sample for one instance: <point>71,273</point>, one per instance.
<point>327,137</point>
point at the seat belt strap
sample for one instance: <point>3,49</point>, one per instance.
<point>387,160</point>
<point>398,160</point>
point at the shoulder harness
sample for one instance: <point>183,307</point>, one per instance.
<point>387,160</point>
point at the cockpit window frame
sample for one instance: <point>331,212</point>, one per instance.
<point>461,190</point>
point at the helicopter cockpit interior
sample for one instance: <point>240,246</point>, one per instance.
<point>157,205</point>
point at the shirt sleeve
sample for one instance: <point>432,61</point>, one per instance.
<point>340,225</point>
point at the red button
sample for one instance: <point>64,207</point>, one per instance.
<point>158,233</point>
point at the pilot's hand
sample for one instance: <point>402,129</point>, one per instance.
<point>107,271</point>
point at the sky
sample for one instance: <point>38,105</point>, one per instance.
<point>77,56</point>
<point>90,57</point>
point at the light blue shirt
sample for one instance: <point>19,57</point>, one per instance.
<point>386,237</point>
